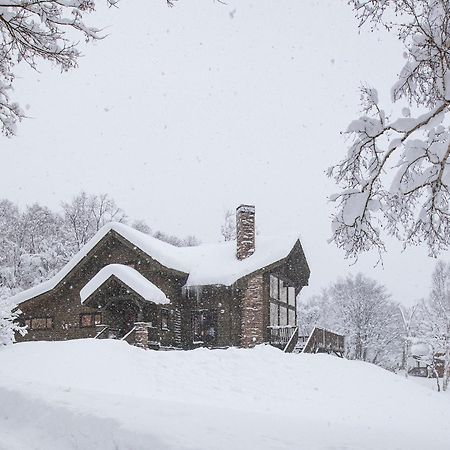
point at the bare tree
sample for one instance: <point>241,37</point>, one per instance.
<point>396,174</point>
<point>86,214</point>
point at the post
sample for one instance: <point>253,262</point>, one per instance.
<point>141,334</point>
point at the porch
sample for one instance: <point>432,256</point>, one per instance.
<point>129,307</point>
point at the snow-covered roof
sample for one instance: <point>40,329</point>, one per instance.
<point>207,264</point>
<point>131,277</point>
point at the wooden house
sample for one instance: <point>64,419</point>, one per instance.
<point>127,285</point>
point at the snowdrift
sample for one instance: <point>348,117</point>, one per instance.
<point>105,394</point>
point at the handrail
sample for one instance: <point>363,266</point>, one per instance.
<point>101,332</point>
<point>128,334</point>
<point>289,347</point>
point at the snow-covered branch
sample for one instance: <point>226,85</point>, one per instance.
<point>395,176</point>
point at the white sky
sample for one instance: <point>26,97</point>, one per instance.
<point>184,112</point>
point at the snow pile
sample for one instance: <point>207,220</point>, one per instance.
<point>104,394</point>
<point>131,277</point>
<point>205,264</point>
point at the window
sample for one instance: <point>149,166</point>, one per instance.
<point>283,315</point>
<point>291,296</point>
<point>273,287</point>
<point>165,315</point>
<point>291,317</point>
<point>283,292</point>
<point>39,323</point>
<point>273,314</point>
<point>90,320</point>
<point>282,303</point>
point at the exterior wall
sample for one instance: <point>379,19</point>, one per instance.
<point>219,300</point>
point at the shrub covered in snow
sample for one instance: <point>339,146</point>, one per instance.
<point>8,319</point>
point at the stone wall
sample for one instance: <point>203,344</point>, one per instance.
<point>253,312</point>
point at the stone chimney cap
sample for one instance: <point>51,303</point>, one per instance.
<point>246,208</point>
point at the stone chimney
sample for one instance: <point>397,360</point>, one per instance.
<point>245,231</point>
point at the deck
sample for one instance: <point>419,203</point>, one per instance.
<point>319,341</point>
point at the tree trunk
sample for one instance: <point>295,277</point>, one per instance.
<point>446,361</point>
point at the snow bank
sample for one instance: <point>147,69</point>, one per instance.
<point>131,277</point>
<point>240,399</point>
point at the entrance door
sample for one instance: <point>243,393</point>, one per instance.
<point>204,327</point>
<point>122,314</point>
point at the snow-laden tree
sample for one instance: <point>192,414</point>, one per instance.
<point>312,313</point>
<point>408,316</point>
<point>34,30</point>
<point>228,228</point>
<point>86,214</point>
<point>396,173</point>
<point>435,320</point>
<point>361,309</point>
<point>142,226</point>
<point>9,315</point>
<point>188,241</point>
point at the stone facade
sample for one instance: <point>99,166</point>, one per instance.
<point>245,231</point>
<point>253,327</point>
<point>141,334</point>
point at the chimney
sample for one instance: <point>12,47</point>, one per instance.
<point>245,231</point>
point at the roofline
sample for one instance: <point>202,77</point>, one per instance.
<point>123,284</point>
<point>54,282</point>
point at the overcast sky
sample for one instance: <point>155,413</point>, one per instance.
<point>182,113</point>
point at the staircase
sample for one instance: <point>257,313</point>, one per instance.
<point>320,341</point>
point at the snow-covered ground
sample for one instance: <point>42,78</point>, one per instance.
<point>105,394</point>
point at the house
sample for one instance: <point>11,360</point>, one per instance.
<point>426,361</point>
<point>127,285</point>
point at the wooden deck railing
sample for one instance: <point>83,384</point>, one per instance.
<point>279,336</point>
<point>322,340</point>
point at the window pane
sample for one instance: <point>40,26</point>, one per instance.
<point>164,319</point>
<point>283,315</point>
<point>283,292</point>
<point>39,323</point>
<point>273,314</point>
<point>86,320</point>
<point>291,292</point>
<point>273,287</point>
<point>292,317</point>
<point>49,322</point>
<point>97,319</point>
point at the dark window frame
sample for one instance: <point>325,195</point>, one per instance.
<point>93,319</point>
<point>29,323</point>
<point>165,312</point>
<point>280,303</point>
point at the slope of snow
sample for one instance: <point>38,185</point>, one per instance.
<point>131,277</point>
<point>205,264</point>
<point>105,394</point>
